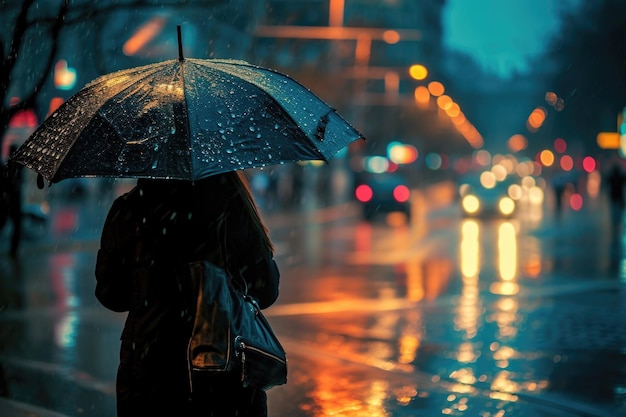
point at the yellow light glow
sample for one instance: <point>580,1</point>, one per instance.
<point>506,205</point>
<point>507,248</point>
<point>504,288</point>
<point>418,72</point>
<point>471,204</point>
<point>469,249</point>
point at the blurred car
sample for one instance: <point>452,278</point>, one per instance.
<point>482,196</point>
<point>382,193</point>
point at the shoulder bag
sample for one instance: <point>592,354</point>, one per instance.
<point>230,333</point>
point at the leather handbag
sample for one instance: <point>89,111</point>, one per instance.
<point>230,333</point>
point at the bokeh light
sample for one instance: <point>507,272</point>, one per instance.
<point>436,88</point>
<point>418,72</point>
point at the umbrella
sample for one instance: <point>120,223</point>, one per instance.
<point>184,119</point>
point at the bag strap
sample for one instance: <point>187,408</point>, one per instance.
<point>234,273</point>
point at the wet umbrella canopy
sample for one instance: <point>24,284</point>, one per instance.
<point>184,119</point>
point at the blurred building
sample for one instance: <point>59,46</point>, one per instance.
<point>356,55</point>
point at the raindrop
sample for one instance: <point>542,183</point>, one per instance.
<point>232,115</point>
<point>173,130</point>
<point>276,126</point>
<point>252,129</point>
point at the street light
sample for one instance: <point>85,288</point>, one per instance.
<point>418,72</point>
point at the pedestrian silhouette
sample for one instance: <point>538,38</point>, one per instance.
<point>11,202</point>
<point>615,181</point>
<point>149,233</point>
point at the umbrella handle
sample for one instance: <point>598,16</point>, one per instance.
<point>180,44</point>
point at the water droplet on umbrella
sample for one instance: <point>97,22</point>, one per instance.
<point>173,130</point>
<point>252,129</point>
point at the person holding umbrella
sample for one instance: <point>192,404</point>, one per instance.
<point>157,227</point>
<point>186,129</point>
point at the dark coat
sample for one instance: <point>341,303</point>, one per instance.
<point>149,233</point>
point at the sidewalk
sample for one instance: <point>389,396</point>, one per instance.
<point>10,408</point>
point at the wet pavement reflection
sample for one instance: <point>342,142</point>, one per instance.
<point>443,315</point>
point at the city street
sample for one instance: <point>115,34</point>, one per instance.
<point>444,315</point>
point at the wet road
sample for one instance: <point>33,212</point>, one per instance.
<point>442,316</point>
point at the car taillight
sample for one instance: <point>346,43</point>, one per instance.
<point>364,193</point>
<point>401,193</point>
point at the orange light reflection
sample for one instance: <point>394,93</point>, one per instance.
<point>143,35</point>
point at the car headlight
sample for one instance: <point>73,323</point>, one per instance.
<point>506,205</point>
<point>470,204</point>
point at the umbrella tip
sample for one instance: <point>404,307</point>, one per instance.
<point>180,44</point>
